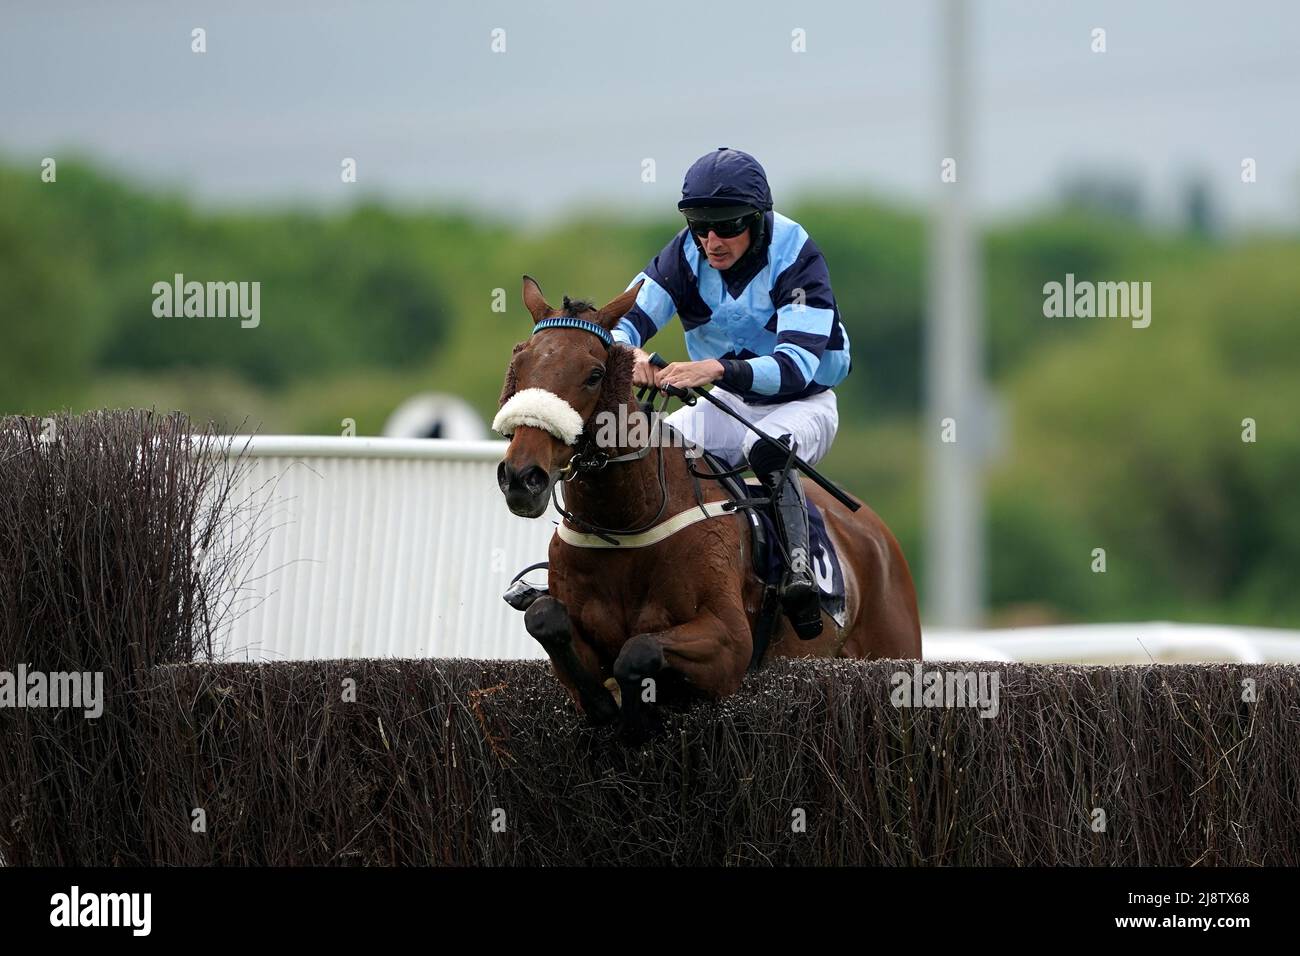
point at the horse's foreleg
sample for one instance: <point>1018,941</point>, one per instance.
<point>576,666</point>
<point>705,651</point>
<point>637,670</point>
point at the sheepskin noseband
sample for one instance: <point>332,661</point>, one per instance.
<point>540,409</point>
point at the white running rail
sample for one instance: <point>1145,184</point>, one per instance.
<point>1159,642</point>
<point>380,547</point>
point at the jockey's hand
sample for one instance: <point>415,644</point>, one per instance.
<point>689,374</point>
<point>643,373</point>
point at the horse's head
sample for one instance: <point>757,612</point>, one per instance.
<point>560,379</point>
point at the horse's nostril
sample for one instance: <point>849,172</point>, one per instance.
<point>535,479</point>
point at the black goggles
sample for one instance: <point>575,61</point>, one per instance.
<point>725,228</point>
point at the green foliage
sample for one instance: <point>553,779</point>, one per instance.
<point>1132,438</point>
<point>336,293</point>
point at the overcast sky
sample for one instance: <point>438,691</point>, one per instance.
<point>585,91</point>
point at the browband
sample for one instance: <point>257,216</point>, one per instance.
<point>568,322</point>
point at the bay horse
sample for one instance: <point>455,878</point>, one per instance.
<point>674,617</point>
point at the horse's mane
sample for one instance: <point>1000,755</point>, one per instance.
<point>617,387</point>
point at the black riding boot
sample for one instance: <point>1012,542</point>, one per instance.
<point>799,595</point>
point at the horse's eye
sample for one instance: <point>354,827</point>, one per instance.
<point>595,377</point>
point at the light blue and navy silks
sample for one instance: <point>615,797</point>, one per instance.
<point>771,319</point>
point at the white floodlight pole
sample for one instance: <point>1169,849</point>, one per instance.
<point>954,554</point>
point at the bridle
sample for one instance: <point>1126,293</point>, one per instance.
<point>589,459</point>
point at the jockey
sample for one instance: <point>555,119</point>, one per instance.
<point>761,323</point>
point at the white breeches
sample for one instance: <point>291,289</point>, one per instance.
<point>812,421</point>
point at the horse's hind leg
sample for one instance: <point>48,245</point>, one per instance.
<point>547,620</point>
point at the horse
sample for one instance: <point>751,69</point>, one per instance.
<point>675,618</point>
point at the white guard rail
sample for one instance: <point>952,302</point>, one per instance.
<point>1160,642</point>
<point>388,547</point>
<point>379,547</point>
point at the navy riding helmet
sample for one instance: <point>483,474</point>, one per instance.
<point>725,184</point>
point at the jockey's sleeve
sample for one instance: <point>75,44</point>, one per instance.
<point>657,301</point>
<point>805,311</point>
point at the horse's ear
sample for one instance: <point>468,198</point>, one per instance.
<point>608,316</point>
<point>533,300</point>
